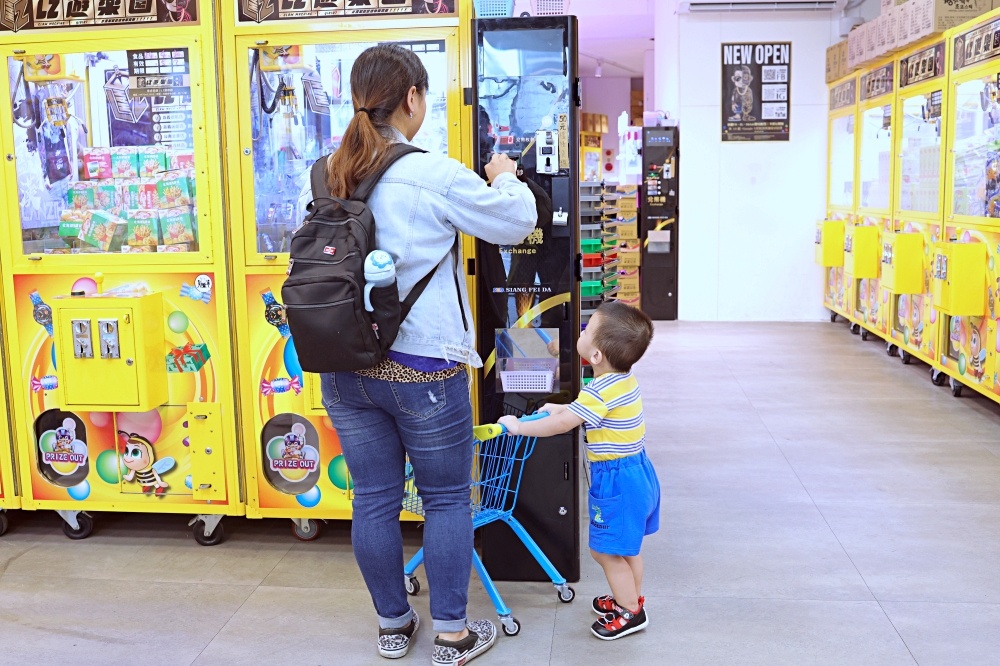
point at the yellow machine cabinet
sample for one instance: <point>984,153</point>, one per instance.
<point>110,350</point>
<point>830,243</point>
<point>903,262</point>
<point>841,194</point>
<point>958,278</point>
<point>115,282</point>
<point>861,251</point>
<point>285,86</point>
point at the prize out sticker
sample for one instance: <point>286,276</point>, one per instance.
<point>203,283</point>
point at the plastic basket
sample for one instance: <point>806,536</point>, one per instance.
<point>526,381</point>
<point>549,7</point>
<point>590,288</point>
<point>590,245</point>
<point>494,8</point>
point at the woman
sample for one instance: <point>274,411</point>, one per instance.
<point>416,403</point>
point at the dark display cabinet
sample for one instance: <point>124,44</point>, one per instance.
<point>660,215</point>
<point>527,98</point>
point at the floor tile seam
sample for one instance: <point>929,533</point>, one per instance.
<point>870,600</point>
<point>239,608</point>
<point>148,581</point>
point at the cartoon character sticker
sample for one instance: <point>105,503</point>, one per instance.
<point>290,454</point>
<point>139,458</point>
<point>62,448</point>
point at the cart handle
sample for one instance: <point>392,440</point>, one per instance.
<point>491,430</point>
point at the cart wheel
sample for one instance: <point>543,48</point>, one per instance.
<point>511,627</point>
<point>566,594</point>
<point>956,387</point>
<point>938,377</point>
<point>864,334</point>
<point>855,328</point>
<point>833,317</point>
<point>412,586</point>
<point>4,523</point>
<point>906,356</point>
<point>86,524</point>
<point>213,539</point>
<point>302,535</point>
<point>891,349</point>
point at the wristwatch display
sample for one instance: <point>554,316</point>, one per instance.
<point>274,313</point>
<point>41,312</point>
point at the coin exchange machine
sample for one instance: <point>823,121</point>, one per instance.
<point>527,105</point>
<point>659,212</point>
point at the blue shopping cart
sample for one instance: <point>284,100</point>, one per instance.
<point>496,478</point>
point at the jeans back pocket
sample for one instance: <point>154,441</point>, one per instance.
<point>422,399</point>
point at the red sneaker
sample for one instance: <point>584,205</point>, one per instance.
<point>620,622</point>
<point>147,489</point>
<point>161,490</point>
<point>604,605</point>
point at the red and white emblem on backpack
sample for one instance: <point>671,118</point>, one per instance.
<point>330,250</point>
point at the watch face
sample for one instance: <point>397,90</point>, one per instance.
<point>274,313</point>
<point>42,314</point>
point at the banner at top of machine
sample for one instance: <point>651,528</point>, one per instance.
<point>977,45</point>
<point>922,66</point>
<point>844,95</point>
<point>258,11</point>
<point>756,91</point>
<point>25,15</point>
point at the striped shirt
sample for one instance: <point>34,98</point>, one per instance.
<point>611,409</point>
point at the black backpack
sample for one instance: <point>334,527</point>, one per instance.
<point>324,290</point>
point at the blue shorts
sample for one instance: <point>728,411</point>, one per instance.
<point>624,504</point>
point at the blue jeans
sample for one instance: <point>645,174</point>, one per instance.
<point>379,424</point>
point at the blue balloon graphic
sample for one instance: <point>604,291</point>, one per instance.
<point>53,348</point>
<point>292,364</point>
<point>309,498</point>
<point>81,491</point>
<point>187,480</point>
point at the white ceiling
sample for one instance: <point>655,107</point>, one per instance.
<point>617,30</point>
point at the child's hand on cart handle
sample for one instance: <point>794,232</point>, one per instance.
<point>535,425</point>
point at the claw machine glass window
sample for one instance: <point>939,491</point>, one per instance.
<point>976,180</point>
<point>920,151</point>
<point>105,151</point>
<point>875,156</point>
<point>300,107</point>
<point>842,161</point>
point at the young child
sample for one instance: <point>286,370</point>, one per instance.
<point>624,491</point>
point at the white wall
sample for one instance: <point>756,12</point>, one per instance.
<point>747,209</point>
<point>609,95</point>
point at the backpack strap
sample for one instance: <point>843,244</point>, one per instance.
<point>411,298</point>
<point>317,177</point>
<point>365,187</point>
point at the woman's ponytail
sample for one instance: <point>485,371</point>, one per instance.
<point>380,80</point>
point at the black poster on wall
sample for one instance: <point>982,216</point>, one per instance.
<point>756,91</point>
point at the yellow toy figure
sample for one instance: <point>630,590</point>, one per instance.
<point>916,318</point>
<point>139,458</point>
<point>977,354</point>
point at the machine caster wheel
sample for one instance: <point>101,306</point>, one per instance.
<point>213,539</point>
<point>855,328</point>
<point>833,317</point>
<point>906,357</point>
<point>86,526</point>
<point>309,532</point>
<point>891,349</point>
<point>510,625</point>
<point>956,387</point>
<point>412,586</point>
<point>864,334</point>
<point>566,594</point>
<point>4,523</point>
<point>938,377</point>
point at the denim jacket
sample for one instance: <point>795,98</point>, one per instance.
<point>419,205</point>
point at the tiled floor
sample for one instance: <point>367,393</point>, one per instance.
<point>822,504</point>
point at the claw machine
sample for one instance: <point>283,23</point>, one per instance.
<point>115,290</point>
<point>868,301</point>
<point>9,495</point>
<point>918,204</point>
<point>841,196</point>
<point>286,82</point>
<point>964,275</point>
